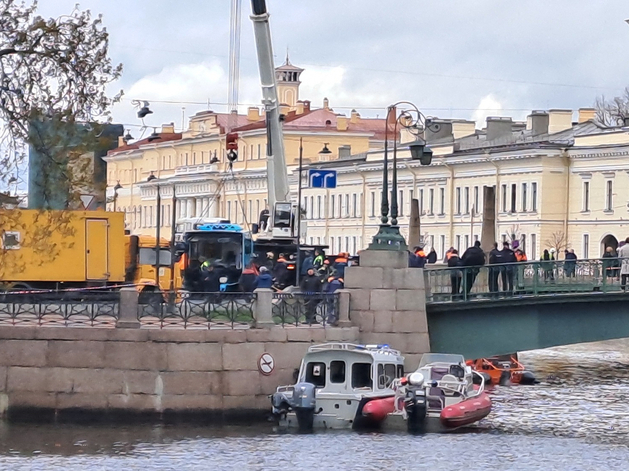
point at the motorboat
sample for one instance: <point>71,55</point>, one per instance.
<point>442,395</point>
<point>503,369</point>
<point>335,382</point>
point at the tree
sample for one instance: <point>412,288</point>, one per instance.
<point>53,78</point>
<point>53,75</point>
<point>558,241</point>
<point>612,112</point>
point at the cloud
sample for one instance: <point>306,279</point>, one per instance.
<point>488,106</point>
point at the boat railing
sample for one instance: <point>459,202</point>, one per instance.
<point>481,386</point>
<point>354,347</point>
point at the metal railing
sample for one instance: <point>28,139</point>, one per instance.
<point>536,278</point>
<point>305,308</point>
<point>60,308</point>
<point>200,310</point>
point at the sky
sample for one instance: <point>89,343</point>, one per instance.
<point>452,58</point>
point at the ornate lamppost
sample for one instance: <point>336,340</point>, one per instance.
<point>116,189</point>
<point>410,118</point>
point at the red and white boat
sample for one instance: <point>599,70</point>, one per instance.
<point>444,394</point>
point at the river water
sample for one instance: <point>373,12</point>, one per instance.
<point>576,419</point>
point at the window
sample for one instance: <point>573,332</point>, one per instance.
<point>467,241</point>
<point>503,200</point>
<point>337,371</point>
<point>315,374</point>
<point>609,196</point>
<point>442,244</point>
<point>534,197</point>
<point>353,252</point>
<point>467,200</point>
<point>229,209</point>
<point>347,205</point>
<point>458,201</point>
<point>251,152</point>
<point>476,207</point>
<point>11,240</point>
<point>306,207</point>
<point>400,203</point>
<point>524,196</point>
<point>586,246</point>
<point>312,213</point>
<point>458,243</point>
<point>259,153</point>
<point>431,201</point>
<point>514,189</point>
<point>373,204</point>
<point>533,254</point>
<point>251,216</point>
<point>333,244</point>
<point>354,205</point>
<point>523,244</point>
<point>340,206</point>
<point>361,375</point>
<point>318,207</point>
<point>586,196</point>
<point>442,201</point>
<point>332,207</point>
<point>346,244</point>
<point>411,194</point>
<point>421,201</point>
<point>386,375</point>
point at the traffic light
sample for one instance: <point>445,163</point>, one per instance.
<point>231,144</point>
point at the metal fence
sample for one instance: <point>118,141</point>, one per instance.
<point>536,278</point>
<point>60,308</point>
<point>305,308</point>
<point>200,310</point>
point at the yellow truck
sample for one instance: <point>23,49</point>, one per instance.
<point>70,249</point>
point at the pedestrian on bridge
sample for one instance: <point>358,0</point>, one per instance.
<point>508,270</point>
<point>473,259</point>
<point>548,264</point>
<point>623,254</point>
<point>455,274</point>
<point>610,263</point>
<point>570,264</point>
<point>494,272</point>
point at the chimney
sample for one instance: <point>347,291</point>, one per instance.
<point>355,119</point>
<point>499,128</point>
<point>586,114</point>
<point>326,104</point>
<point>306,105</point>
<point>168,128</point>
<point>438,129</point>
<point>284,109</point>
<point>345,152</point>
<point>341,122</point>
<point>559,120</point>
<point>253,113</point>
<point>463,128</point>
<point>121,141</point>
<point>538,122</point>
<point>300,107</point>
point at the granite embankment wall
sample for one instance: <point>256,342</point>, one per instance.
<point>52,370</point>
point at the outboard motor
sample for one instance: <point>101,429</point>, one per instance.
<point>303,403</point>
<point>527,378</point>
<point>505,378</point>
<point>415,403</point>
<point>477,378</point>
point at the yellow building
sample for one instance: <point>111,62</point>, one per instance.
<point>194,163</point>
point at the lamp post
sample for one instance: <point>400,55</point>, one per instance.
<point>411,119</point>
<point>158,216</point>
<point>116,188</point>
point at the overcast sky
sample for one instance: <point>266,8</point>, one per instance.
<point>452,58</point>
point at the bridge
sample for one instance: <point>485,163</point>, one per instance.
<point>483,311</point>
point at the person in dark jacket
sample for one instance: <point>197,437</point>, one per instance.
<point>334,284</point>
<point>473,258</point>
<point>211,279</point>
<point>570,265</point>
<point>341,263</point>
<point>455,274</point>
<point>311,287</point>
<point>247,281</point>
<point>610,262</point>
<point>307,264</point>
<point>432,256</point>
<point>264,280</point>
<point>548,265</point>
<point>413,260</point>
<point>421,256</point>
<point>281,273</point>
<point>494,271</point>
<point>507,256</point>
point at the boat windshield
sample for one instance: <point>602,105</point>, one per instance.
<point>428,358</point>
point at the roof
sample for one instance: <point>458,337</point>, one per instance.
<point>162,137</point>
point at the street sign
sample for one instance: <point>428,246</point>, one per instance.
<point>322,178</point>
<point>86,200</point>
<point>266,364</point>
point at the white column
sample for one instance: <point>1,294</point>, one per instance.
<point>199,207</point>
<point>213,211</point>
<point>190,208</point>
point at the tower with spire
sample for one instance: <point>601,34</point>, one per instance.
<point>287,78</point>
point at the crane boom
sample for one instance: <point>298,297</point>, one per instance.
<point>277,175</point>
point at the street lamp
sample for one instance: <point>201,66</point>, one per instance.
<point>116,188</point>
<point>158,216</point>
<point>410,118</point>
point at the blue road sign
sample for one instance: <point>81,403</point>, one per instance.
<point>322,178</point>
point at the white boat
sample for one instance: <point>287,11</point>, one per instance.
<point>335,382</point>
<point>442,395</point>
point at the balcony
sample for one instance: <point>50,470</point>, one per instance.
<point>192,169</point>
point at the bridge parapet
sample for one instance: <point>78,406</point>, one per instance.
<point>537,278</point>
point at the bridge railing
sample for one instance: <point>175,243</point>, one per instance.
<point>535,278</point>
